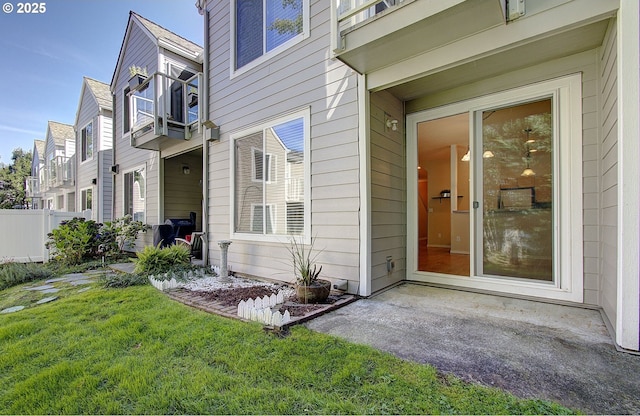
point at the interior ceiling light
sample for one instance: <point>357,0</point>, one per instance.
<point>467,156</point>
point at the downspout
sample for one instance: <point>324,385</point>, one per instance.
<point>113,155</point>
<point>205,133</point>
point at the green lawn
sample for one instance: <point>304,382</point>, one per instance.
<point>134,351</point>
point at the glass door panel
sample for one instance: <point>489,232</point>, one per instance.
<point>443,196</point>
<point>517,176</point>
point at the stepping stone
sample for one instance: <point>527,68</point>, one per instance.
<point>12,309</point>
<point>57,279</point>
<point>46,300</point>
<point>43,287</point>
<point>74,276</point>
<point>81,282</point>
<point>84,289</point>
<point>53,290</point>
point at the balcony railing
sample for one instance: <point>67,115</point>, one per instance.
<point>164,107</point>
<point>62,172</point>
<point>294,189</point>
<point>32,188</point>
<point>350,13</point>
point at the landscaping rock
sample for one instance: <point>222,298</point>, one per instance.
<point>12,309</point>
<point>46,300</point>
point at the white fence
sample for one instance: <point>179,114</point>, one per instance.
<point>24,232</point>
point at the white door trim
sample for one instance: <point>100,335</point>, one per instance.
<point>567,93</point>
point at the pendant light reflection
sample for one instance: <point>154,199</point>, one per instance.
<point>467,156</point>
<point>528,171</point>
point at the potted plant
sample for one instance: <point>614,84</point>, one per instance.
<point>192,96</point>
<point>138,76</point>
<point>309,288</point>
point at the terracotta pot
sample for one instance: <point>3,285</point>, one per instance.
<point>316,292</point>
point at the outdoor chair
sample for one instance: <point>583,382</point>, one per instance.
<point>194,243</point>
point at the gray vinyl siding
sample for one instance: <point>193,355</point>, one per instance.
<point>609,161</point>
<point>87,170</point>
<point>97,167</point>
<point>300,77</point>
<point>586,64</point>
<point>105,186</point>
<point>388,191</point>
<point>106,130</point>
<point>139,51</point>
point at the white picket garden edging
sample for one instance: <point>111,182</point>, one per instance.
<point>259,310</point>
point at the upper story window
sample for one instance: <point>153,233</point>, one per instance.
<point>261,26</point>
<point>125,111</point>
<point>87,142</point>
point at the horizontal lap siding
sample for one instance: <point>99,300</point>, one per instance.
<point>388,191</point>
<point>301,77</point>
<point>87,170</point>
<point>609,161</point>
<point>139,51</point>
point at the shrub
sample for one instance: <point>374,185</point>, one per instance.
<point>123,280</point>
<point>156,260</point>
<point>74,240</point>
<point>12,274</point>
<point>122,233</point>
<point>78,240</point>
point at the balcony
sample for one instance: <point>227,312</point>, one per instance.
<point>62,172</point>
<point>164,111</point>
<point>32,187</point>
<point>294,189</point>
<point>372,34</point>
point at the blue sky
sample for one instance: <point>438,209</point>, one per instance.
<point>44,57</point>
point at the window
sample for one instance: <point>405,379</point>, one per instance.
<point>87,142</point>
<point>134,194</point>
<point>125,111</point>
<point>264,25</point>
<point>86,196</point>
<point>270,172</point>
<point>262,166</point>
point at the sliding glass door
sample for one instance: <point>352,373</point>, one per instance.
<point>495,192</point>
<point>516,219</point>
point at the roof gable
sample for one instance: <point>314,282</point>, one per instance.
<point>60,132</point>
<point>100,93</point>
<point>160,37</point>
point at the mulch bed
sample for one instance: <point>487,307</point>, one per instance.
<point>225,301</point>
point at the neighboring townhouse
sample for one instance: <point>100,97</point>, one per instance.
<point>36,181</point>
<point>483,145</point>
<point>158,141</point>
<point>94,138</point>
<point>59,160</point>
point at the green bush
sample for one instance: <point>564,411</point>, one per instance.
<point>123,280</point>
<point>155,260</point>
<point>12,274</point>
<point>78,240</point>
<point>74,241</point>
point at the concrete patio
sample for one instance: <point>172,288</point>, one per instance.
<point>532,349</point>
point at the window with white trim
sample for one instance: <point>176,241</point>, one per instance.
<point>134,194</point>
<point>87,141</point>
<point>262,26</point>
<point>270,174</point>
<point>86,199</point>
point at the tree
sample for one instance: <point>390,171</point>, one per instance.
<point>13,180</point>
